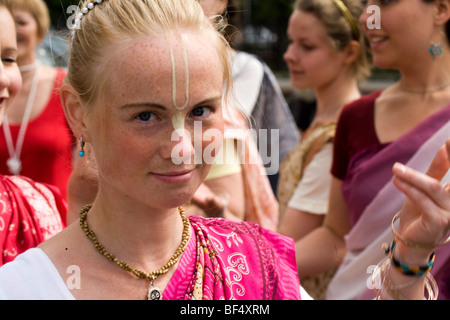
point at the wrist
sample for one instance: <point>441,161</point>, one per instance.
<point>406,272</point>
<point>411,255</point>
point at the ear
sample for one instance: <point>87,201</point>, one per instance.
<point>74,111</point>
<point>352,52</point>
<point>442,14</point>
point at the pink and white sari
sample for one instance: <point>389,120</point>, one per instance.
<point>373,201</point>
<point>226,260</point>
<point>30,213</point>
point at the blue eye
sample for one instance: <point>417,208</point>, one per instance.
<point>145,116</point>
<point>200,111</point>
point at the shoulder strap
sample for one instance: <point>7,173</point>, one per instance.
<point>324,135</point>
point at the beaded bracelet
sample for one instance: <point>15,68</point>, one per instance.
<point>385,289</point>
<point>417,271</point>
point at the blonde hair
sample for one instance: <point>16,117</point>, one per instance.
<point>6,4</point>
<point>113,22</point>
<point>339,29</point>
<point>38,9</point>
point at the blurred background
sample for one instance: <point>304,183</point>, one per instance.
<point>262,25</point>
<point>260,28</point>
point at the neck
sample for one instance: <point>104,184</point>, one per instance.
<point>332,97</point>
<point>28,67</point>
<point>435,76</point>
<point>142,236</point>
<point>27,59</point>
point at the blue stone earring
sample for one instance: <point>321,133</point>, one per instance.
<point>82,143</point>
<point>435,49</point>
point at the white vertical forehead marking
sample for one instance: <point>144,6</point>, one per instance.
<point>178,123</point>
<point>178,118</point>
<point>174,78</point>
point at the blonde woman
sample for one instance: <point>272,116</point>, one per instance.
<point>135,98</point>
<point>134,241</point>
<point>329,53</point>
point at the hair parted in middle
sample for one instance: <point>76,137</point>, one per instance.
<point>112,24</point>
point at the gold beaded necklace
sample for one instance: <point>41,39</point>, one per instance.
<point>154,293</point>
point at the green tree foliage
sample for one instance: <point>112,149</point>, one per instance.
<point>272,12</point>
<point>274,15</point>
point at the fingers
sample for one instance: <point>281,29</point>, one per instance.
<point>212,205</point>
<point>440,164</point>
<point>423,190</point>
<point>428,184</point>
<point>203,202</point>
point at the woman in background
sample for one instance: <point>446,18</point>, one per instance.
<point>30,211</point>
<point>329,53</point>
<point>36,141</point>
<point>406,123</point>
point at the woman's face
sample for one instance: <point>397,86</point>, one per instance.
<point>405,31</point>
<point>132,130</point>
<point>27,33</point>
<point>10,79</point>
<point>311,58</point>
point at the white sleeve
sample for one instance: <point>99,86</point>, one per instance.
<point>312,192</point>
<point>32,276</point>
<point>304,295</point>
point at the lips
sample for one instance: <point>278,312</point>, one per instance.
<point>377,41</point>
<point>297,73</point>
<point>174,177</point>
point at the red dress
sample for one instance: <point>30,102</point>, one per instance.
<point>47,150</point>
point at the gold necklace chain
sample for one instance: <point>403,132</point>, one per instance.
<point>424,91</point>
<point>154,293</point>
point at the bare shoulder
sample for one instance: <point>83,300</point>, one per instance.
<point>63,248</point>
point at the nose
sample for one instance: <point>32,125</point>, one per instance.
<point>4,79</point>
<point>289,55</point>
<point>364,17</point>
<point>179,148</point>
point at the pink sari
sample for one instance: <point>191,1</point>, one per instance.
<point>30,213</point>
<point>373,200</point>
<point>226,260</point>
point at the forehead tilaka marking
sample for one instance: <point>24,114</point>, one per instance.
<point>178,118</point>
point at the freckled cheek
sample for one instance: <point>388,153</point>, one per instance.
<point>119,150</point>
<point>212,139</point>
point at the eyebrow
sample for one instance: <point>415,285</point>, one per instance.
<point>210,100</point>
<point>159,106</point>
<point>142,104</point>
<point>11,50</point>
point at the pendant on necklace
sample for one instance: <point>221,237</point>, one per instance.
<point>154,293</point>
<point>14,165</point>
